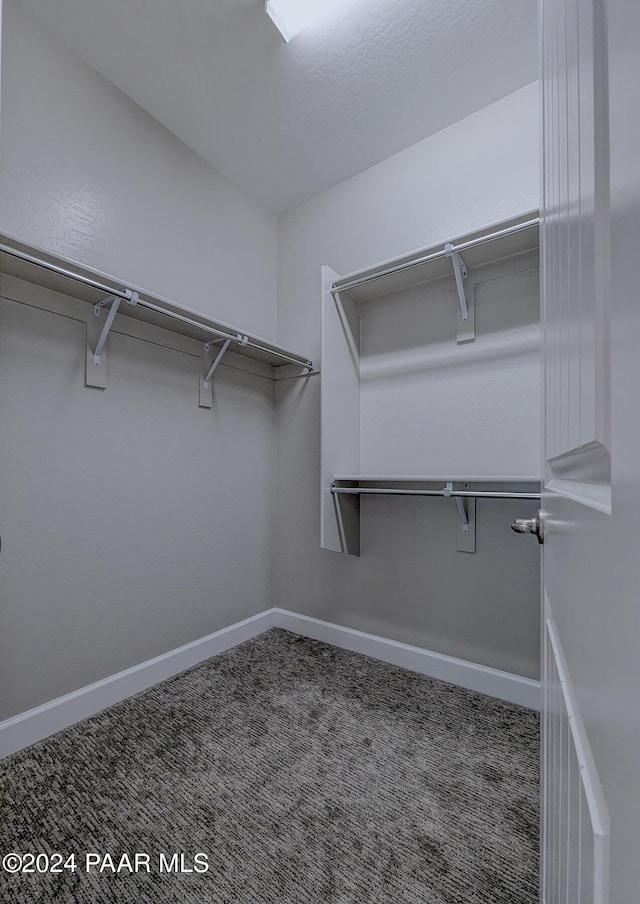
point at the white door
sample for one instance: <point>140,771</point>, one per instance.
<point>591,500</point>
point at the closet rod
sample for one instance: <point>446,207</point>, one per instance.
<point>122,293</point>
<point>235,337</point>
<point>220,334</point>
<point>436,255</point>
<point>473,494</point>
<point>62,271</point>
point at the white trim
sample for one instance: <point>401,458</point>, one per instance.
<point>597,848</point>
<point>473,676</point>
<point>596,495</point>
<point>589,774</point>
<point>35,724</point>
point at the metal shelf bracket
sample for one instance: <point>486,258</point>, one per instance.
<point>207,378</point>
<point>96,355</point>
<point>210,367</point>
<point>466,314</point>
<point>132,298</point>
<point>463,515</point>
<point>460,272</point>
<point>467,527</point>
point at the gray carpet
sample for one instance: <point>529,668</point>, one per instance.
<point>306,774</point>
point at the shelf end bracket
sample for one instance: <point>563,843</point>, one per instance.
<point>466,331</point>
<point>96,364</point>
<point>216,362</point>
<point>206,382</point>
<point>467,526</point>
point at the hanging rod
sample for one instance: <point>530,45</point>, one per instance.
<point>62,271</point>
<point>436,255</point>
<point>445,491</point>
<point>126,294</point>
<point>208,329</point>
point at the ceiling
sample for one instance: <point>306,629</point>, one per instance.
<point>286,121</point>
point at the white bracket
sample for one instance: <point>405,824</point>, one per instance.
<point>218,359</point>
<point>463,515</point>
<point>102,340</point>
<point>466,331</point>
<point>460,272</point>
<point>97,353</point>
<point>132,298</point>
<point>467,528</point>
<point>209,366</point>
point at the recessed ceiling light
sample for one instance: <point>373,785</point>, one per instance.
<point>291,16</point>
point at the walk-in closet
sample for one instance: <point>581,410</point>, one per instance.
<point>313,474</point>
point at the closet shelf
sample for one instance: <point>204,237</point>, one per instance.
<point>387,410</point>
<point>469,487</point>
<point>72,279</point>
<point>345,491</point>
<point>512,237</point>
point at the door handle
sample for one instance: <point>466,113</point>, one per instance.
<point>530,526</point>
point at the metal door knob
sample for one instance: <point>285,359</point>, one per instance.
<point>529,526</point>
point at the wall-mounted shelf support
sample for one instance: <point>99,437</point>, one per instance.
<point>467,527</point>
<point>132,298</point>
<point>210,366</point>
<point>463,515</point>
<point>111,316</point>
<point>216,362</point>
<point>448,490</point>
<point>460,272</point>
<point>97,348</point>
<point>466,330</point>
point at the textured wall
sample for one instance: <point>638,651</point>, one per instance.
<point>364,81</point>
<point>120,540</point>
<point>132,520</point>
<point>431,406</point>
<point>89,175</point>
<point>410,583</point>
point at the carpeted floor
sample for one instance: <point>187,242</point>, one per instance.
<point>305,773</point>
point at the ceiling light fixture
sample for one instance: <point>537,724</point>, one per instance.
<point>291,16</point>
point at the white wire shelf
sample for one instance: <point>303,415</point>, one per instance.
<point>77,281</point>
<point>464,487</point>
<point>512,237</point>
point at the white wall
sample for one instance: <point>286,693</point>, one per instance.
<point>431,406</point>
<point>482,169</point>
<point>86,173</point>
<point>132,521</point>
<point>410,583</point>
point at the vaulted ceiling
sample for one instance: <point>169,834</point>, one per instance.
<point>287,121</point>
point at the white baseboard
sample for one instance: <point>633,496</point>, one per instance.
<point>35,724</point>
<point>493,682</point>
